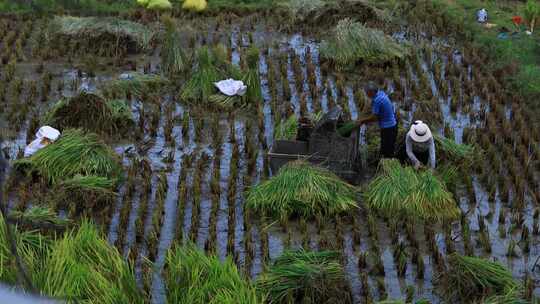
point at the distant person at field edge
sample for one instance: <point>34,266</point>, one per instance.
<point>44,136</point>
<point>419,148</point>
<point>482,16</point>
<point>382,110</point>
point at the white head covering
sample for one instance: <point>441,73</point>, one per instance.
<point>420,132</point>
<point>48,132</point>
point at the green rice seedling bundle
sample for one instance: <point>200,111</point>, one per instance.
<point>85,192</point>
<point>194,278</point>
<point>471,278</point>
<point>38,215</point>
<point>351,41</point>
<point>90,112</point>
<point>76,153</point>
<point>212,67</point>
<point>511,297</point>
<point>31,247</point>
<point>138,85</point>
<point>251,77</point>
<point>286,129</point>
<point>173,57</point>
<point>83,267</point>
<point>98,29</point>
<point>305,277</point>
<point>448,150</point>
<point>401,190</point>
<point>302,189</point>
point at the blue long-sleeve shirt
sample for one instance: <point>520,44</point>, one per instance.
<point>382,107</point>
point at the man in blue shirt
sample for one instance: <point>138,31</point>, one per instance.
<point>382,110</point>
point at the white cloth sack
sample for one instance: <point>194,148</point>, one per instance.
<point>482,15</point>
<point>36,145</point>
<point>231,87</point>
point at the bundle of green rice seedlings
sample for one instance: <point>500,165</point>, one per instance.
<point>138,85</point>
<point>76,152</point>
<point>286,129</point>
<point>212,67</point>
<point>471,278</point>
<point>116,30</point>
<point>31,247</point>
<point>90,112</point>
<point>401,190</point>
<point>226,102</point>
<point>351,41</point>
<point>194,278</point>
<point>511,297</point>
<point>305,277</point>
<point>174,60</point>
<point>450,151</point>
<point>38,216</point>
<point>251,77</point>
<point>83,267</point>
<point>82,193</point>
<point>302,189</point>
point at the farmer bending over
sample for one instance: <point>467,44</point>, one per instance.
<point>382,110</point>
<point>420,146</point>
<point>44,136</point>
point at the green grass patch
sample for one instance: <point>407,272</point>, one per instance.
<point>302,189</point>
<point>305,277</point>
<point>194,278</point>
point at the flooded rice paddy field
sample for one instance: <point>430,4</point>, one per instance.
<point>187,167</point>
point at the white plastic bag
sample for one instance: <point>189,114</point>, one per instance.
<point>231,87</point>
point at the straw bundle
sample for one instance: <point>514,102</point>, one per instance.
<point>76,153</point>
<point>302,189</point>
<point>82,267</point>
<point>92,113</point>
<point>138,85</point>
<point>401,190</point>
<point>195,5</point>
<point>472,278</point>
<point>305,277</point>
<point>99,29</point>
<point>351,41</point>
<point>194,278</point>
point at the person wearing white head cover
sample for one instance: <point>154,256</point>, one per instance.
<point>420,145</point>
<point>44,136</point>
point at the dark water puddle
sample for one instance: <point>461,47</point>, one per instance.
<point>295,99</point>
<point>239,199</point>
<point>352,103</point>
<point>206,206</point>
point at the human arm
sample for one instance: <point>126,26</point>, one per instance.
<point>432,158</point>
<point>368,119</point>
<point>410,152</point>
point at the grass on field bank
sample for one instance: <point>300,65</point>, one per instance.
<point>195,278</point>
<point>305,277</point>
<point>302,189</point>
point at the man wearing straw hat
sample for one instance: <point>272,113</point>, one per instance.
<point>382,110</point>
<point>420,145</point>
<point>44,136</point>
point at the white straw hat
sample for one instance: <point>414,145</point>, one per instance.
<point>48,132</point>
<point>420,132</point>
